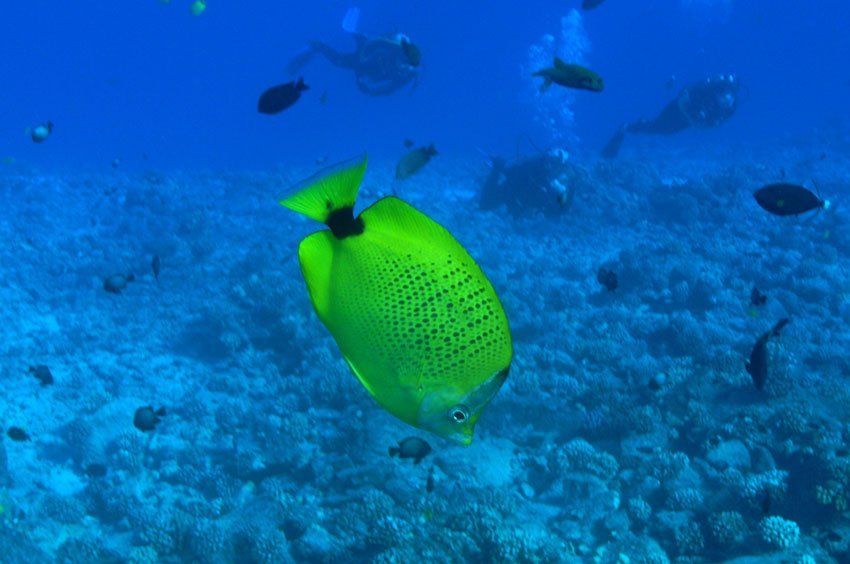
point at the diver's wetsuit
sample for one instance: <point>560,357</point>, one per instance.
<point>523,186</point>
<point>707,103</point>
<point>380,65</point>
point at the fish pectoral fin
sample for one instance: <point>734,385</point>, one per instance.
<point>316,257</point>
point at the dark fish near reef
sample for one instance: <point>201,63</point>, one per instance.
<point>788,199</point>
<point>590,4</point>
<point>278,98</point>
<point>17,434</point>
<point>411,52</point>
<point>608,278</point>
<point>42,374</point>
<point>411,447</point>
<point>146,419</point>
<point>571,76</point>
<point>412,162</point>
<point>757,298</point>
<point>156,265</point>
<point>95,470</point>
<point>117,282</point>
<point>757,364</point>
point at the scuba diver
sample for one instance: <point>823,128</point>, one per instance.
<point>382,64</point>
<point>546,183</point>
<point>707,103</point>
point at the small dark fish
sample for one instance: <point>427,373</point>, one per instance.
<point>412,162</point>
<point>17,434</point>
<point>146,419</point>
<point>842,452</point>
<point>590,4</point>
<point>766,503</point>
<point>757,364</point>
<point>757,298</point>
<point>278,98</point>
<point>608,278</point>
<point>788,199</point>
<point>40,133</point>
<point>117,282</point>
<point>657,381</point>
<point>95,470</point>
<point>429,483</point>
<point>411,447</point>
<point>42,374</point>
<point>156,264</point>
<point>412,52</point>
<point>571,76</point>
<point>408,143</point>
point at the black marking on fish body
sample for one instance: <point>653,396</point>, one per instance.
<point>343,223</point>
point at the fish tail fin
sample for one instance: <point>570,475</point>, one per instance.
<point>432,150</point>
<point>300,86</point>
<point>326,192</point>
<point>160,412</point>
<point>393,451</point>
<point>49,126</point>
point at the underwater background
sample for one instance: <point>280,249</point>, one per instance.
<point>629,428</point>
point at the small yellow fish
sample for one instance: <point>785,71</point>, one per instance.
<point>413,315</point>
<point>198,7</point>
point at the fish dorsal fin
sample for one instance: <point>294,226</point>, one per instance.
<point>398,219</point>
<point>559,63</point>
<point>326,192</point>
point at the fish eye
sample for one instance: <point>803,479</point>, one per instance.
<point>459,413</point>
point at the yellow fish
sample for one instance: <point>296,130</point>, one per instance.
<point>411,312</point>
<point>198,7</point>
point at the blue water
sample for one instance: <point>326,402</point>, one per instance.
<point>628,429</point>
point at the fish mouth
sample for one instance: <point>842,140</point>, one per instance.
<point>438,411</point>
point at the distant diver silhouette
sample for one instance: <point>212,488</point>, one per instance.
<point>382,64</point>
<point>704,104</point>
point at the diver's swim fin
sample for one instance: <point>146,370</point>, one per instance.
<point>304,56</point>
<point>612,147</point>
<point>349,22</point>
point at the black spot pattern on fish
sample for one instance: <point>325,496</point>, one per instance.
<point>443,320</point>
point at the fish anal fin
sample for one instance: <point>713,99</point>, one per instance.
<point>316,257</point>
